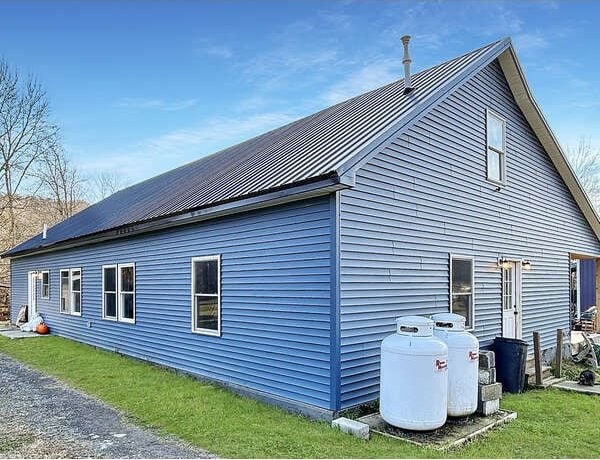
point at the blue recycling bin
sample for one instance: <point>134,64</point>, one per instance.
<point>511,362</point>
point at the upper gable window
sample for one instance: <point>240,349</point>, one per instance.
<point>496,148</point>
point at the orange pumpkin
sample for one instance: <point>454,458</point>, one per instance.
<point>42,329</point>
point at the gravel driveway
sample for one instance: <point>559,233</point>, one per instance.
<point>41,417</point>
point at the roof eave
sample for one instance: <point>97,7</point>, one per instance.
<point>524,98</point>
<point>322,186</point>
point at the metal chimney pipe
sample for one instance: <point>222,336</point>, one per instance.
<point>44,231</point>
<point>406,60</point>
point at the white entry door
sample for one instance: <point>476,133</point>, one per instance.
<point>511,301</point>
<point>31,295</point>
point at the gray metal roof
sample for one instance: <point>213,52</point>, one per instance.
<point>321,145</point>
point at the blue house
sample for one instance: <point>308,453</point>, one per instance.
<point>278,265</point>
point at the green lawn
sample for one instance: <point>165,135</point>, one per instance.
<point>551,423</point>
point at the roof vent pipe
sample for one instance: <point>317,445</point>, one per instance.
<point>406,61</point>
<point>44,231</point>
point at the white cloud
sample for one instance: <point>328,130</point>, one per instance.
<point>215,133</point>
<point>158,104</point>
<point>209,47</point>
<point>279,67</point>
<point>220,51</point>
<point>364,79</point>
<point>530,42</point>
<point>159,154</point>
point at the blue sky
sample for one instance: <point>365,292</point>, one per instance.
<point>143,87</point>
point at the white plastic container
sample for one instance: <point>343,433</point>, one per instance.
<point>414,376</point>
<point>463,363</point>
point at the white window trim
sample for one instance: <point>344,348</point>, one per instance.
<point>60,293</point>
<point>69,272</point>
<point>490,113</point>
<point>42,296</point>
<point>75,313</point>
<point>201,331</point>
<point>472,259</point>
<point>120,316</point>
<point>116,292</point>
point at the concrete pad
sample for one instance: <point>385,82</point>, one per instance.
<point>16,333</point>
<point>455,432</point>
<point>569,385</point>
<point>548,382</point>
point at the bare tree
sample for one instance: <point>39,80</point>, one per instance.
<point>26,135</point>
<point>61,182</point>
<point>106,183</point>
<point>586,163</point>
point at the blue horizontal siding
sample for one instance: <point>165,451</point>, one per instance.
<point>425,195</point>
<point>276,301</point>
<point>587,284</point>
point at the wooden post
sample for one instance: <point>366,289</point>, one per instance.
<point>559,345</point>
<point>537,355</point>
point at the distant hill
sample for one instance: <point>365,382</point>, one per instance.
<point>31,213</point>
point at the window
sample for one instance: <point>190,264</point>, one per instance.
<point>206,295</point>
<point>70,291</point>
<point>462,288</point>
<point>118,292</point>
<point>496,148</point>
<point>65,300</point>
<point>45,285</point>
<point>127,293</point>
<point>109,292</point>
<point>76,291</point>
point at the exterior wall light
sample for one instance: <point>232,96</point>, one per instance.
<point>526,264</point>
<point>503,262</point>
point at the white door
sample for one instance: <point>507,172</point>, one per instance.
<point>31,295</point>
<point>511,301</point>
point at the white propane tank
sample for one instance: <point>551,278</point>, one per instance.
<point>463,363</point>
<point>414,376</point>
